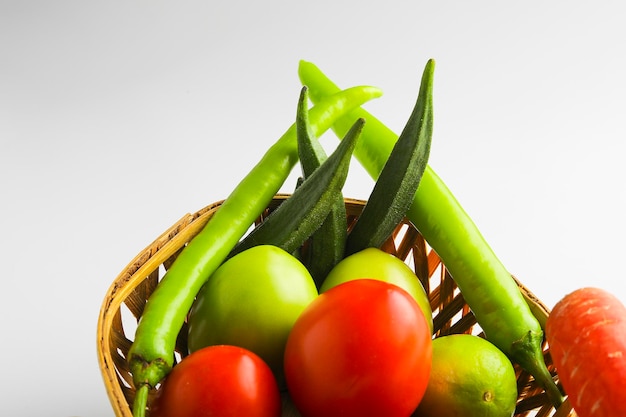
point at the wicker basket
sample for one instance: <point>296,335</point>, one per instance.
<point>125,300</point>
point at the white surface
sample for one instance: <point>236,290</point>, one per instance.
<point>116,118</point>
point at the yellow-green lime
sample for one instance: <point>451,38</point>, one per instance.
<point>470,377</point>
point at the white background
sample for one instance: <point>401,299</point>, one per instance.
<point>118,117</point>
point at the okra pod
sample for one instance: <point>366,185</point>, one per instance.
<point>327,245</point>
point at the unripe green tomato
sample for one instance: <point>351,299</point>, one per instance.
<point>252,301</point>
<point>377,264</point>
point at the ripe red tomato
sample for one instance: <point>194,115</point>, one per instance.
<point>362,348</point>
<point>219,381</point>
<point>377,264</point>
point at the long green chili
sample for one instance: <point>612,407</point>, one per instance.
<point>151,355</point>
<point>487,286</point>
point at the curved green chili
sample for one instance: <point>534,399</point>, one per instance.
<point>151,355</point>
<point>487,286</point>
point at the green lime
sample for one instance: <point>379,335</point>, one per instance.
<point>470,377</point>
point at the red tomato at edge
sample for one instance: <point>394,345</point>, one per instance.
<point>362,348</point>
<point>219,381</point>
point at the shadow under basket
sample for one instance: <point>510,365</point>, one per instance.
<point>125,300</point>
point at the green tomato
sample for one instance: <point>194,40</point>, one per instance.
<point>374,263</point>
<point>252,301</point>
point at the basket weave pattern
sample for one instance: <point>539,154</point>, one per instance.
<point>124,302</point>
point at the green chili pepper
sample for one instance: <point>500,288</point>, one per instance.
<point>151,355</point>
<point>487,286</point>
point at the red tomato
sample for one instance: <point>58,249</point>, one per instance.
<point>362,348</point>
<point>219,381</point>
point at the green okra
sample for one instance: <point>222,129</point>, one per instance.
<point>300,215</point>
<point>400,176</point>
<point>327,244</point>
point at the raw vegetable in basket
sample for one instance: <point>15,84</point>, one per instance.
<point>399,177</point>
<point>291,224</point>
<point>392,194</point>
<point>220,380</point>
<point>151,355</point>
<point>363,348</point>
<point>327,244</point>
<point>257,260</point>
<point>487,286</point>
<point>252,301</point>
<point>375,263</point>
<point>586,331</point>
<point>469,377</point>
